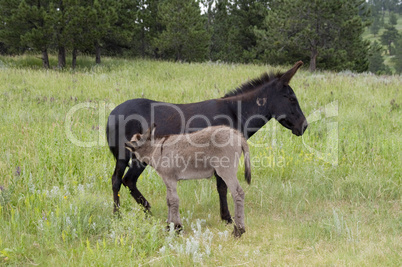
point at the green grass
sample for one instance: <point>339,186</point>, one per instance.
<point>56,201</point>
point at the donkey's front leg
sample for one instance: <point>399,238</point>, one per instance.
<point>222,191</point>
<point>173,204</point>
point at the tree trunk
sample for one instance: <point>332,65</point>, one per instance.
<point>313,59</point>
<point>74,56</point>
<point>45,59</point>
<point>62,57</point>
<point>98,53</point>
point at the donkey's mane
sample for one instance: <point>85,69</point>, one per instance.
<point>253,84</point>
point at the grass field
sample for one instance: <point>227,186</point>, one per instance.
<point>331,197</point>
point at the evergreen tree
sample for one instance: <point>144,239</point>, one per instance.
<point>397,60</point>
<point>376,61</point>
<point>79,15</point>
<point>58,21</point>
<point>122,31</point>
<point>26,24</point>
<point>233,36</point>
<point>9,31</point>
<point>393,19</point>
<point>184,36</point>
<point>327,33</point>
<point>223,45</point>
<point>148,30</point>
<point>103,16</point>
<point>375,26</point>
<point>389,36</point>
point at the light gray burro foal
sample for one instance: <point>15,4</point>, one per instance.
<point>194,156</point>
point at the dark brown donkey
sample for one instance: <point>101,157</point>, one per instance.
<point>246,109</point>
<point>196,155</point>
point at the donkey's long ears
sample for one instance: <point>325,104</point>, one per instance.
<point>287,76</point>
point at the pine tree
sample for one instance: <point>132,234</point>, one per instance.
<point>389,37</point>
<point>26,24</point>
<point>103,16</point>
<point>233,36</point>
<point>393,19</point>
<point>223,45</point>
<point>120,37</point>
<point>78,30</point>
<point>58,21</point>
<point>375,26</point>
<point>376,61</point>
<point>327,33</point>
<point>184,36</point>
<point>397,60</point>
<point>150,28</point>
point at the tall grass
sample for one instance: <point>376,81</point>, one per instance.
<point>306,205</point>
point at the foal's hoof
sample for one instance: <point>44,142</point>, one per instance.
<point>176,227</point>
<point>238,231</point>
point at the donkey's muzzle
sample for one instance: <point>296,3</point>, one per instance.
<point>299,131</point>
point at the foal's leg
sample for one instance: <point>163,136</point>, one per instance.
<point>238,199</point>
<point>223,201</point>
<point>172,199</point>
<point>116,182</point>
<point>130,180</point>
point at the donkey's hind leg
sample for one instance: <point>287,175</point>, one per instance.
<point>130,180</point>
<point>116,182</point>
<point>223,201</point>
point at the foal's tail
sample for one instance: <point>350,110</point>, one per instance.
<point>247,165</point>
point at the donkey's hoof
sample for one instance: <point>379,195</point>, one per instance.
<point>238,231</point>
<point>116,212</point>
<point>148,213</point>
<point>228,220</point>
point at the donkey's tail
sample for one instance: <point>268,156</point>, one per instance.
<point>247,165</point>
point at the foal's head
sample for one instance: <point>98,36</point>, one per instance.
<point>141,144</point>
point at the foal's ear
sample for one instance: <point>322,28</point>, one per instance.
<point>149,133</point>
<point>287,76</point>
<point>136,138</point>
<point>153,128</point>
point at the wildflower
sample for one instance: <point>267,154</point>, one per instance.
<point>18,171</point>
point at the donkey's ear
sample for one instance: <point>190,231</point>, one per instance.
<point>287,76</point>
